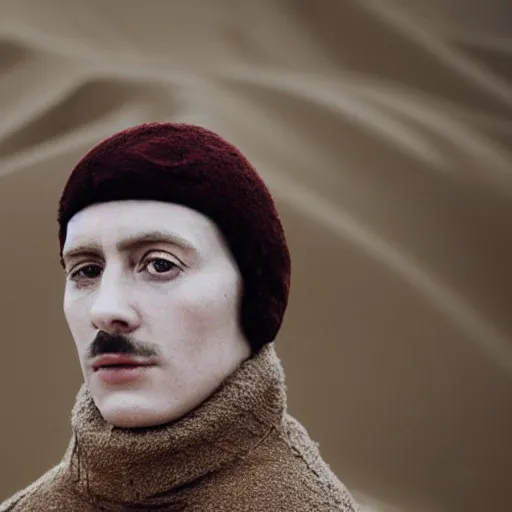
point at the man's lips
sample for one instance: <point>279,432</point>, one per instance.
<point>121,360</point>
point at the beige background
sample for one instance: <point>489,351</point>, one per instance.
<point>382,127</point>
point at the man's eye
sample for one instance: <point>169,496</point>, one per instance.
<point>160,266</point>
<point>86,272</point>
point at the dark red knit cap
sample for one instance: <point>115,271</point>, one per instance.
<point>195,167</point>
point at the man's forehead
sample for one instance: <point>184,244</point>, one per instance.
<point>123,240</point>
<point>98,228</point>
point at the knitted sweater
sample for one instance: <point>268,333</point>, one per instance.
<point>238,451</point>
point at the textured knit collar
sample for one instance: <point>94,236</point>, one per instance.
<point>143,466</point>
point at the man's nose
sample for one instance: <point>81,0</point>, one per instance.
<point>112,310</point>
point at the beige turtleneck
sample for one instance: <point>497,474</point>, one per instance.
<point>238,451</point>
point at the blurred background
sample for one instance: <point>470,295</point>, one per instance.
<point>382,127</point>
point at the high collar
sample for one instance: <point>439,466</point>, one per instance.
<point>135,465</point>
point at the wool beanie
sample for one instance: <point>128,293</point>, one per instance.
<point>194,167</point>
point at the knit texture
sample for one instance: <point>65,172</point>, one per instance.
<point>194,167</point>
<point>238,451</point>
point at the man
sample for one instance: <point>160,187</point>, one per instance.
<point>177,280</point>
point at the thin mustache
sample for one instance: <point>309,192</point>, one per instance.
<point>105,343</point>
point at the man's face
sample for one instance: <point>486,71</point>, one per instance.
<point>155,283</point>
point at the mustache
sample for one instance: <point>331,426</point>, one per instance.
<point>105,343</point>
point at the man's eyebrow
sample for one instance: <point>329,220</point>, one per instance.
<point>132,242</point>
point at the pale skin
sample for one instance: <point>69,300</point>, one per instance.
<point>177,293</point>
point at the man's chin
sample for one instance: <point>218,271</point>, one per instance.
<point>131,409</point>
